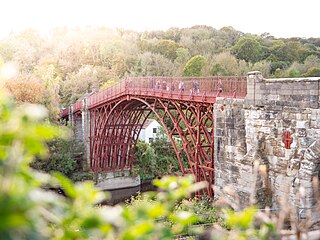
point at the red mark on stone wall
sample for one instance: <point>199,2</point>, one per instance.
<point>287,139</point>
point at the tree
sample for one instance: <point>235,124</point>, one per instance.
<point>173,34</point>
<point>248,49</point>
<point>26,89</point>
<point>225,64</point>
<point>263,66</point>
<point>311,61</point>
<point>244,67</point>
<point>51,79</point>
<point>182,57</point>
<point>26,48</point>
<point>80,82</point>
<point>287,51</point>
<point>194,66</point>
<point>6,50</point>
<point>167,48</point>
<point>153,64</point>
<point>281,65</point>
<point>312,72</point>
<point>232,34</point>
<point>293,72</point>
<point>279,73</point>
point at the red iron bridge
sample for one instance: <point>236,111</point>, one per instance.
<point>113,119</point>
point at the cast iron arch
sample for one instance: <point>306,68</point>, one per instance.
<point>116,125</point>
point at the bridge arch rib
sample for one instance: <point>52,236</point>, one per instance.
<point>115,126</point>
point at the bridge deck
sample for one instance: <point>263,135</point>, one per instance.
<point>175,88</point>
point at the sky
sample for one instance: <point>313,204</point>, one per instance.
<point>280,18</point>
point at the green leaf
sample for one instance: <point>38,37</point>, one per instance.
<point>66,184</point>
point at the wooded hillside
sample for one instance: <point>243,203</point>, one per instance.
<point>56,70</point>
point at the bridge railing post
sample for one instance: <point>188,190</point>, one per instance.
<point>253,78</point>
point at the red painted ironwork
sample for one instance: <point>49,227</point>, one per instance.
<point>65,112</point>
<point>118,113</point>
<point>77,106</point>
<point>287,139</point>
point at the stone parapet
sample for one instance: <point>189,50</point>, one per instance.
<point>282,92</point>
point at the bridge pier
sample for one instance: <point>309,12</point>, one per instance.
<point>116,180</point>
<point>85,117</point>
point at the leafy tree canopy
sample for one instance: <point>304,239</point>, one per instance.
<point>248,49</point>
<point>194,66</point>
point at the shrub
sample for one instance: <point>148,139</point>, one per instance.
<point>28,212</point>
<point>66,157</point>
<point>312,72</point>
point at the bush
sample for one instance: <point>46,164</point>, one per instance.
<point>66,157</point>
<point>156,159</point>
<point>278,65</point>
<point>28,212</point>
<point>194,66</point>
<point>312,72</point>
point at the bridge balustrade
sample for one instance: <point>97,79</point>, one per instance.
<point>173,87</point>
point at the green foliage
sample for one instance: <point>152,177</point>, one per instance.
<point>263,66</point>
<point>246,225</point>
<point>79,83</point>
<point>66,157</point>
<point>279,73</point>
<point>167,48</point>
<point>146,165</point>
<point>156,159</point>
<point>288,51</point>
<point>217,69</point>
<point>60,159</point>
<point>312,72</point>
<point>51,77</point>
<point>22,137</point>
<point>277,65</point>
<point>153,64</point>
<point>27,212</point>
<point>194,66</point>
<point>293,73</point>
<point>204,209</point>
<point>248,49</point>
<point>225,64</point>
<point>149,215</point>
<point>72,61</point>
<point>311,61</point>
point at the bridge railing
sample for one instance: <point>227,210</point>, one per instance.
<point>112,92</point>
<point>175,87</point>
<point>65,112</point>
<point>231,86</point>
<point>77,106</point>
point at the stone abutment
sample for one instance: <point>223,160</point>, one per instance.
<point>267,146</point>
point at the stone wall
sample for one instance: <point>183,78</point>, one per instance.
<point>230,148</point>
<point>78,131</point>
<point>252,131</point>
<point>282,92</point>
